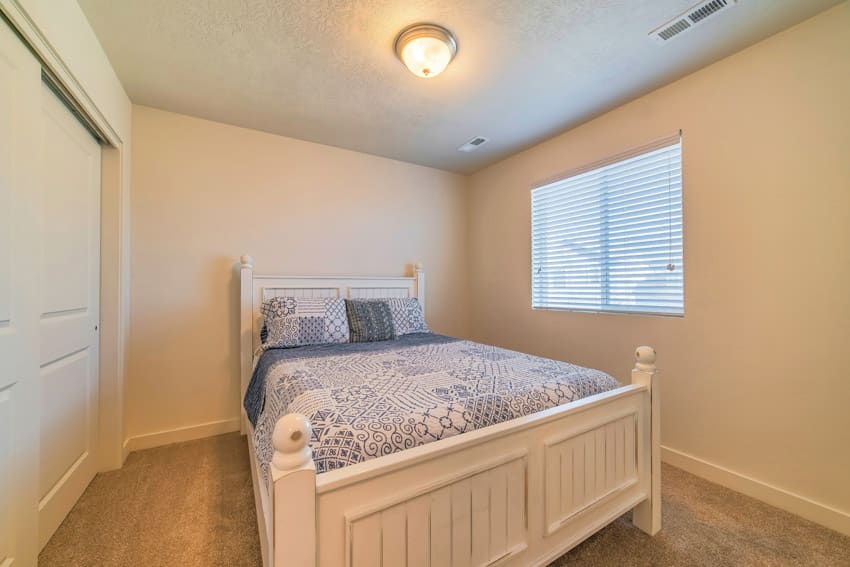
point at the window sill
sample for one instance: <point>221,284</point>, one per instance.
<point>612,312</point>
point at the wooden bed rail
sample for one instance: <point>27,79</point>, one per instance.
<point>618,414</point>
<point>246,348</point>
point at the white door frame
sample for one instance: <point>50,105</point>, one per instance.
<point>115,257</point>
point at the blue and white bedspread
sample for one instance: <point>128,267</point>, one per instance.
<point>366,400</point>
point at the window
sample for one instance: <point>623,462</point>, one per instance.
<point>609,237</point>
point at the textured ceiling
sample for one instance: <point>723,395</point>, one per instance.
<point>325,70</point>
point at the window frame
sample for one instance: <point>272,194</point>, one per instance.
<point>598,164</point>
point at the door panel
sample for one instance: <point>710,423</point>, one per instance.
<point>7,442</point>
<point>69,312</point>
<point>71,186</point>
<point>20,247</point>
<point>64,411</point>
<point>8,78</point>
<point>62,333</point>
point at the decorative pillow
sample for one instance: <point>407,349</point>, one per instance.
<point>369,320</point>
<point>407,316</point>
<point>298,321</point>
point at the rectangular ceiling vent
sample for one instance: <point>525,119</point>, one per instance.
<point>473,144</point>
<point>690,18</point>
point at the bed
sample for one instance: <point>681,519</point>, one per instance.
<point>453,453</point>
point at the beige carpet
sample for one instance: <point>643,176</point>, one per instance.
<point>191,504</point>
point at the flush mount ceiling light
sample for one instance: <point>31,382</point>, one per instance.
<point>426,49</point>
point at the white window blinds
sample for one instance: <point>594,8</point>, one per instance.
<point>609,238</point>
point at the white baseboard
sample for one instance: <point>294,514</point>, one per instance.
<point>794,503</point>
<point>190,433</point>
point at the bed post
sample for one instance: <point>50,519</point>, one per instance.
<point>419,273</point>
<point>246,330</point>
<point>293,476</point>
<point>647,514</point>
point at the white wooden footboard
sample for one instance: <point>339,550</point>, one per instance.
<point>518,493</point>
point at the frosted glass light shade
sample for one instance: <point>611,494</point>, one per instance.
<point>426,49</point>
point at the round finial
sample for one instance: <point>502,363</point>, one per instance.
<point>645,357</point>
<point>419,266</point>
<point>290,440</point>
<point>247,261</point>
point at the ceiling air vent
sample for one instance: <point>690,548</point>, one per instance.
<point>690,18</point>
<point>473,144</point>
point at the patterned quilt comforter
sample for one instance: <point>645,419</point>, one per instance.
<point>366,400</point>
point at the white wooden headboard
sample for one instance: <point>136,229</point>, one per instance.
<point>255,289</point>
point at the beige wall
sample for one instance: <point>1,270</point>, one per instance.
<point>756,375</point>
<point>204,193</point>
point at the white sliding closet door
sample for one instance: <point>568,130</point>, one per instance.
<point>20,243</point>
<point>49,303</point>
<point>70,271</point>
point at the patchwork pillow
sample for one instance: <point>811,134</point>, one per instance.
<point>299,321</point>
<point>407,315</point>
<point>369,320</point>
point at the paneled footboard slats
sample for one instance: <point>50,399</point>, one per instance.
<point>583,469</point>
<point>471,521</point>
